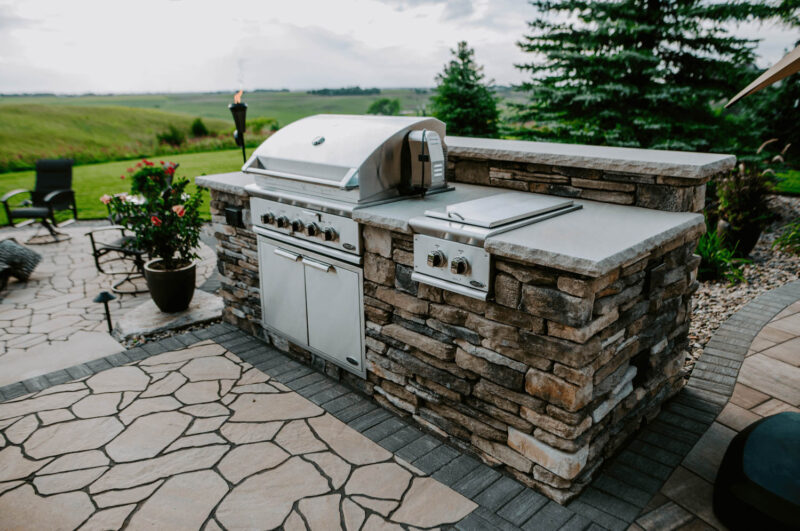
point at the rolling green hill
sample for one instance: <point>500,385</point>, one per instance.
<point>286,107</point>
<point>30,131</point>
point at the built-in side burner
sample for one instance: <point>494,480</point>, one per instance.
<point>448,244</point>
<point>501,209</point>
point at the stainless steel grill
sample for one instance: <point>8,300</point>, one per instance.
<point>353,159</point>
<point>309,176</point>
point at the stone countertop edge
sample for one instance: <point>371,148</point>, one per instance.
<point>665,163</point>
<point>585,266</point>
<point>382,216</point>
<point>229,183</point>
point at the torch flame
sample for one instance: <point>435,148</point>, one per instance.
<point>237,98</point>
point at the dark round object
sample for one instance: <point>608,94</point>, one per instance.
<point>758,482</point>
<point>171,290</point>
<point>744,238</point>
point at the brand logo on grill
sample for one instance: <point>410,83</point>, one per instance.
<point>317,141</point>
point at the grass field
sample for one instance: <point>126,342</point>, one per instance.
<point>789,182</point>
<point>89,133</point>
<point>93,180</point>
<point>285,107</point>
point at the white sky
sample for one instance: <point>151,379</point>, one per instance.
<point>74,46</point>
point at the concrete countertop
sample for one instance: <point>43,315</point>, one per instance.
<point>591,241</point>
<point>229,183</point>
<point>664,163</point>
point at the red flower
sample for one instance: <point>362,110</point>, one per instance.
<point>130,170</point>
<point>122,176</point>
<point>155,220</point>
<point>180,210</point>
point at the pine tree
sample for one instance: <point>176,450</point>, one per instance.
<point>640,73</point>
<point>462,99</point>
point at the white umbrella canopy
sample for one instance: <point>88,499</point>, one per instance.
<point>783,68</point>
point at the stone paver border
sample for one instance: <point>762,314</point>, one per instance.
<point>614,499</point>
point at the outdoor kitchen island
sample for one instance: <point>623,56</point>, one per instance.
<point>578,335</point>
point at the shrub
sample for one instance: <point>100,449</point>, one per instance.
<point>198,128</point>
<point>172,136</point>
<point>789,240</point>
<point>385,106</point>
<point>717,261</point>
<point>262,125</point>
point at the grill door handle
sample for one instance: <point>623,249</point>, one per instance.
<point>294,257</point>
<point>322,266</point>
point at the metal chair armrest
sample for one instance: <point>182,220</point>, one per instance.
<point>12,193</point>
<point>57,195</point>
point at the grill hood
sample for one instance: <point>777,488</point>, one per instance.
<point>356,159</point>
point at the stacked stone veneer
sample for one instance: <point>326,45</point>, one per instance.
<point>674,194</point>
<point>545,380</point>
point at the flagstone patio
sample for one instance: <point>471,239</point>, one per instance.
<point>197,437</point>
<point>51,322</point>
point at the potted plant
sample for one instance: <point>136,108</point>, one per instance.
<point>743,208</point>
<point>165,220</point>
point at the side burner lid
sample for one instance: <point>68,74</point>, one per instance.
<point>501,209</point>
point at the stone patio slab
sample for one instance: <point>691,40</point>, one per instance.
<point>147,320</point>
<point>44,358</point>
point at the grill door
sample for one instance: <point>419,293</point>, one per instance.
<point>283,291</point>
<point>333,296</point>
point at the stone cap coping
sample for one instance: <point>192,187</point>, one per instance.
<point>229,183</point>
<point>596,239</point>
<point>683,164</point>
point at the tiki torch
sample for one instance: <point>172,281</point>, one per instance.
<point>239,112</point>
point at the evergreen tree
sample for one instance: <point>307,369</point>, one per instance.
<point>462,99</point>
<point>641,73</point>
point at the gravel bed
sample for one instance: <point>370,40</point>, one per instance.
<point>715,301</point>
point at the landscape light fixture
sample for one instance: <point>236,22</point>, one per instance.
<point>105,297</point>
<point>239,112</point>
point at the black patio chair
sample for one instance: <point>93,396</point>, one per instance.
<point>122,249</point>
<point>52,193</point>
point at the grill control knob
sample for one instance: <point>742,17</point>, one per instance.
<point>328,234</point>
<point>282,222</point>
<point>268,218</point>
<point>312,229</point>
<point>459,265</point>
<point>297,225</point>
<point>436,259</point>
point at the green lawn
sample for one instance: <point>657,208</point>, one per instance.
<point>91,134</point>
<point>789,182</point>
<point>93,180</point>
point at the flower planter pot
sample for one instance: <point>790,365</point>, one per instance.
<point>172,290</point>
<point>745,238</point>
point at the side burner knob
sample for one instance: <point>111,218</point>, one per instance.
<point>328,234</point>
<point>297,225</point>
<point>459,265</point>
<point>282,222</point>
<point>436,259</point>
<point>268,218</point>
<point>312,229</point>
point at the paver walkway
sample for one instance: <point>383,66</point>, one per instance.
<point>197,438</point>
<point>768,382</point>
<point>50,321</point>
